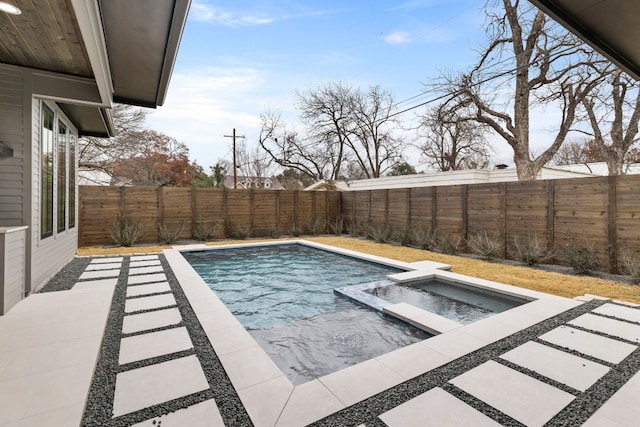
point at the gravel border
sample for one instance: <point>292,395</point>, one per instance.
<point>576,413</point>
<point>98,410</point>
<point>99,406</point>
<point>67,277</point>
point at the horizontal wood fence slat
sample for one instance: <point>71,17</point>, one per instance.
<point>605,210</point>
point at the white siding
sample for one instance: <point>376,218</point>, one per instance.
<point>12,266</point>
<point>12,134</point>
<point>48,255</point>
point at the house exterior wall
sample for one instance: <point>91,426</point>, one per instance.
<point>12,169</point>
<point>55,251</point>
<point>13,266</point>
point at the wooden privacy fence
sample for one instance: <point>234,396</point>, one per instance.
<point>605,210</point>
<point>260,212</point>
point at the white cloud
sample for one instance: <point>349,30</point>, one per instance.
<point>398,37</point>
<point>207,13</point>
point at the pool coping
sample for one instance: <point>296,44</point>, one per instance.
<point>272,400</point>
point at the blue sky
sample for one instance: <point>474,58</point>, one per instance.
<point>238,58</point>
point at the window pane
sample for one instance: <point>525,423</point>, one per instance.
<point>72,180</point>
<point>62,176</point>
<point>46,165</point>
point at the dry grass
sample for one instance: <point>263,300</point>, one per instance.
<point>524,277</point>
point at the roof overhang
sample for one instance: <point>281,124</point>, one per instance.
<point>93,53</point>
<point>612,27</point>
<point>142,40</point>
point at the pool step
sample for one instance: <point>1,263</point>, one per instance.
<point>421,319</point>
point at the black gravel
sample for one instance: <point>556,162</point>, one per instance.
<point>98,411</point>
<point>67,277</point>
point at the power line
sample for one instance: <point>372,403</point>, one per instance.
<point>235,171</point>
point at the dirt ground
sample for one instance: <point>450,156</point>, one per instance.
<point>537,279</point>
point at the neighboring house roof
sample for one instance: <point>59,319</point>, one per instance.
<point>609,26</point>
<point>97,52</point>
<point>93,177</point>
<point>457,177</point>
<point>599,168</point>
<point>247,182</point>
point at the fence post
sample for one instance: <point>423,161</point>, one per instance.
<point>225,213</point>
<point>251,209</point>
<point>409,196</point>
<point>551,201</point>
<point>277,223</point>
<point>327,213</point>
<point>369,207</point>
<point>434,198</point>
<point>465,220</point>
<point>613,224</point>
<point>194,208</point>
<point>386,208</point>
<point>121,202</point>
<point>503,215</point>
<point>160,206</point>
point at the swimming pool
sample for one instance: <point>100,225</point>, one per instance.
<point>283,295</point>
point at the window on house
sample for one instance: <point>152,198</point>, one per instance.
<point>58,170</point>
<point>267,184</point>
<point>72,180</point>
<point>62,177</point>
<point>46,193</point>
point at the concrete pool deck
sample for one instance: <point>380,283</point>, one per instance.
<point>134,338</point>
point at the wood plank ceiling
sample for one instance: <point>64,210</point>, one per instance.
<point>45,36</point>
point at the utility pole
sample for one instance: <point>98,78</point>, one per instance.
<point>235,166</point>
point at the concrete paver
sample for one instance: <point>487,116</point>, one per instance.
<point>143,257</point>
<point>106,260</point>
<point>613,310</point>
<point>152,288</point>
<point>608,326</point>
<point>104,266</point>
<point>436,408</point>
<point>147,263</point>
<point>154,344</point>
<point>597,346</point>
<point>148,303</point>
<point>203,414</point>
<point>146,278</point>
<point>95,283</point>
<point>151,385</point>
<point>101,274</point>
<point>151,320</point>
<point>560,366</point>
<point>523,398</point>
<point>145,270</point>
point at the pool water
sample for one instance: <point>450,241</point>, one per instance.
<point>454,301</point>
<point>283,295</point>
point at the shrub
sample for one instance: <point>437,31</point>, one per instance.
<point>485,245</point>
<point>169,235</point>
<point>630,264</point>
<point>125,232</point>
<point>379,233</point>
<point>206,230</point>
<point>424,237</point>
<point>448,243</point>
<point>337,226</point>
<point>296,231</point>
<point>581,255</point>
<point>402,236</point>
<point>530,250</point>
<point>275,232</point>
<point>316,226</point>
<point>238,231</point>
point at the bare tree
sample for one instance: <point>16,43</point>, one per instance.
<point>529,60</point>
<point>451,141</point>
<point>319,159</point>
<point>99,154</point>
<point>615,112</point>
<point>571,153</point>
<point>252,162</point>
<point>369,134</point>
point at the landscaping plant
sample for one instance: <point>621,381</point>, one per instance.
<point>125,232</point>
<point>581,255</point>
<point>485,245</point>
<point>530,250</point>
<point>424,237</point>
<point>169,235</point>
<point>204,231</point>
<point>631,264</point>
